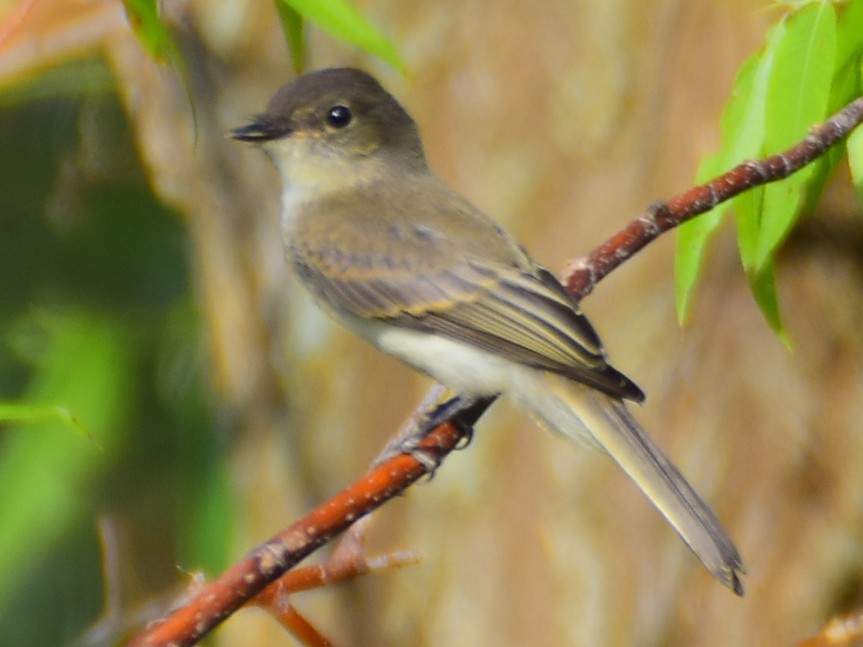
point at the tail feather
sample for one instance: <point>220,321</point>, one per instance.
<point>670,492</point>
<point>572,409</point>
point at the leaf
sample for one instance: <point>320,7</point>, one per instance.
<point>845,87</point>
<point>742,127</point>
<point>748,207</point>
<point>855,161</point>
<point>797,98</point>
<point>849,49</point>
<point>855,155</point>
<point>763,286</point>
<point>341,20</point>
<point>85,361</point>
<point>295,35</point>
<point>28,413</point>
<point>154,36</point>
<point>798,90</point>
<point>692,239</point>
<point>145,22</point>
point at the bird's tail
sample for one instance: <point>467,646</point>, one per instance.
<point>572,409</point>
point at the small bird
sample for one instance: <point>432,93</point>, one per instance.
<point>401,259</point>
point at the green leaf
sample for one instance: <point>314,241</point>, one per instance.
<point>849,49</point>
<point>748,207</point>
<point>763,286</point>
<point>797,98</point>
<point>295,34</point>
<point>742,128</point>
<point>692,239</point>
<point>808,68</point>
<point>84,360</point>
<point>855,156</point>
<point>145,22</point>
<point>25,412</point>
<point>855,160</point>
<point>341,20</point>
<point>848,85</point>
<point>154,36</point>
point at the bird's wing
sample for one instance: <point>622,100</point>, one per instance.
<point>515,309</point>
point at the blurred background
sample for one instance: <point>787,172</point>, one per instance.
<point>143,288</point>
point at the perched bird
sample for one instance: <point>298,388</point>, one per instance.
<point>409,264</point>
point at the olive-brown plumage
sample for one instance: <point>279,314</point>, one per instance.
<point>412,266</point>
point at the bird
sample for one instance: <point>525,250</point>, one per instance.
<point>403,260</point>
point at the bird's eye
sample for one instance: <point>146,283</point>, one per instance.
<point>339,116</point>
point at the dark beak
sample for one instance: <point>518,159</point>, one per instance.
<point>259,131</point>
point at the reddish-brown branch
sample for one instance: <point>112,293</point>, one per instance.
<point>220,598</point>
<point>581,275</point>
<point>347,562</point>
<point>263,565</point>
<point>301,629</point>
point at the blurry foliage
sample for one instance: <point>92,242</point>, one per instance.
<point>339,19</point>
<point>336,17</point>
<point>98,334</point>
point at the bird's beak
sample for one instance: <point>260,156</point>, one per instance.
<point>259,131</point>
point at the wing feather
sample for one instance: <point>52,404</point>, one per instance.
<point>425,272</point>
<point>526,316</point>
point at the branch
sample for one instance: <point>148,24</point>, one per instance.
<point>214,602</point>
<point>211,604</point>
<point>582,274</point>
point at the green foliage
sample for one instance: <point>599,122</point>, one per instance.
<point>84,362</point>
<point>852,71</point>
<point>336,17</point>
<point>855,160</point>
<point>102,385</point>
<point>151,32</point>
<point>339,19</point>
<point>809,68</point>
<point>38,413</point>
<point>294,28</point>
